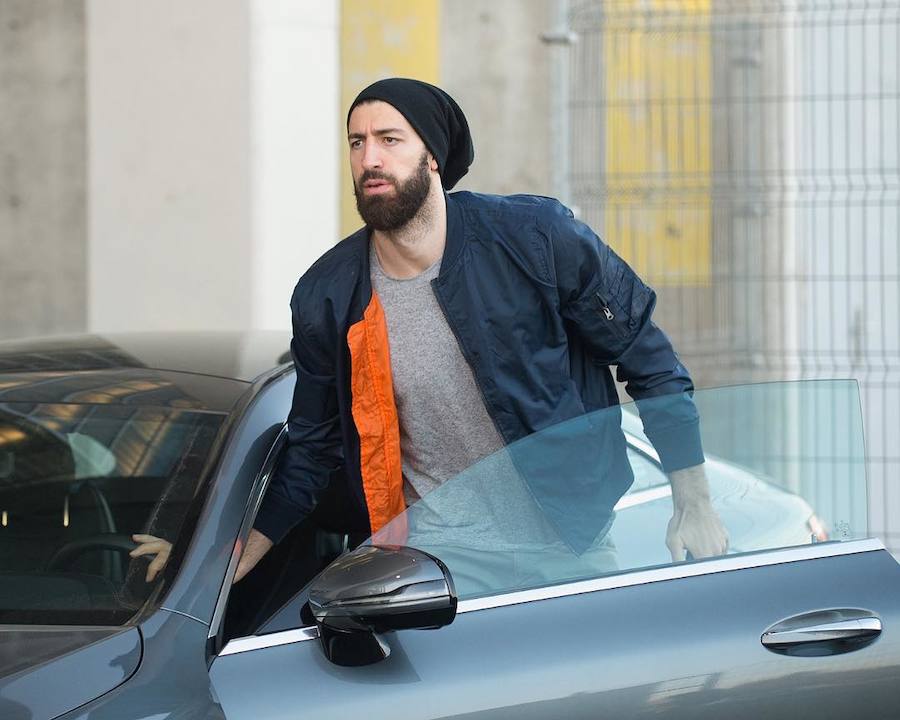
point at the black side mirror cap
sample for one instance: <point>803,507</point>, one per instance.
<point>377,589</point>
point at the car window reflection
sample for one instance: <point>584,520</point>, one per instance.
<point>81,485</point>
<point>532,514</point>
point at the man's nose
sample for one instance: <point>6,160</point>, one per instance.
<point>371,156</point>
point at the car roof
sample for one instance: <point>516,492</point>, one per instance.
<point>197,370</point>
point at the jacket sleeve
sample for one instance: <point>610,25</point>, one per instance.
<point>611,308</point>
<point>313,448</point>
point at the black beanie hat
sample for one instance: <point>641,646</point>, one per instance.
<point>434,115</point>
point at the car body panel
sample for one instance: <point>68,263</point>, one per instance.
<point>102,659</point>
<point>171,682</point>
<point>686,648</point>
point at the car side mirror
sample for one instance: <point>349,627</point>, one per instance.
<point>377,589</point>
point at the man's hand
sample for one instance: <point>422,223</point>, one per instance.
<point>695,526</point>
<point>257,546</point>
<point>152,545</point>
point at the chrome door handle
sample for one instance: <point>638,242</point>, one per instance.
<point>858,629</point>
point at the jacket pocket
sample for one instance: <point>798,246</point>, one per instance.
<point>611,315</point>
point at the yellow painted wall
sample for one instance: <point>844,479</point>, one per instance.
<point>382,38</point>
<point>658,215</point>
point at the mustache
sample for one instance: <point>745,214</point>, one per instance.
<point>375,175</point>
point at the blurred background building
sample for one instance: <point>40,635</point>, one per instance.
<point>178,165</point>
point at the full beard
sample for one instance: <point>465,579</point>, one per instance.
<point>391,213</point>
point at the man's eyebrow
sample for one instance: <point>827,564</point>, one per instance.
<point>379,132</point>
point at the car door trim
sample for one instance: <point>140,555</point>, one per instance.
<point>254,501</point>
<point>676,572</point>
<point>258,642</point>
<point>627,579</point>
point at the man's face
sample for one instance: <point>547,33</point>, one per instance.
<point>392,169</point>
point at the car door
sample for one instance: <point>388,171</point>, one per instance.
<point>803,630</point>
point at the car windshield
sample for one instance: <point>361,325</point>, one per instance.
<point>76,482</point>
<point>589,497</point>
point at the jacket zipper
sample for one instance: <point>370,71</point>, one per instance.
<point>604,306</point>
<point>607,313</point>
<point>468,359</point>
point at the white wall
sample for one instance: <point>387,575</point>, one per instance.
<point>295,129</point>
<point>211,159</point>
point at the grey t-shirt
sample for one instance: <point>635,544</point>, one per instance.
<point>445,428</point>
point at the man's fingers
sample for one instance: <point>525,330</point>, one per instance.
<point>155,547</point>
<point>149,548</point>
<point>704,550</point>
<point>676,546</point>
<point>709,545</point>
<point>154,567</point>
<point>674,541</point>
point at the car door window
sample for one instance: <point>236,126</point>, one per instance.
<point>784,461</point>
<point>647,473</point>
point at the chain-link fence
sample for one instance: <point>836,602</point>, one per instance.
<point>743,156</point>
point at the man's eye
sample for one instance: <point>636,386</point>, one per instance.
<point>390,140</point>
<point>354,144</point>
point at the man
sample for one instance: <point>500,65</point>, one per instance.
<point>453,325</point>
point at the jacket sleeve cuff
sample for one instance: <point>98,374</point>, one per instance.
<point>276,518</point>
<point>678,447</point>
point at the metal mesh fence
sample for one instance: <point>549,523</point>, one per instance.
<point>744,158</point>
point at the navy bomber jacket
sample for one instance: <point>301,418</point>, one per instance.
<point>541,308</point>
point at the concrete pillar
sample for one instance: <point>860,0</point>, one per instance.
<point>494,63</point>
<point>211,160</point>
<point>43,232</point>
<point>296,130</point>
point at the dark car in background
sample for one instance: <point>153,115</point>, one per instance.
<point>177,435</point>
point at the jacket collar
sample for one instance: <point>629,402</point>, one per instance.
<point>456,233</point>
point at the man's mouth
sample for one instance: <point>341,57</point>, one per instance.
<point>376,187</point>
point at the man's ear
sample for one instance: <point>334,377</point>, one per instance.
<point>432,163</point>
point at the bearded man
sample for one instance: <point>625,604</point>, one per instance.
<point>453,325</point>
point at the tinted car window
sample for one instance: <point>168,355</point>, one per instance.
<point>647,474</point>
<point>76,481</point>
<point>785,464</point>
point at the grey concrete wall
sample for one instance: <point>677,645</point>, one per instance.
<point>495,65</point>
<point>43,233</point>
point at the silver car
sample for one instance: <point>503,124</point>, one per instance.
<point>470,604</point>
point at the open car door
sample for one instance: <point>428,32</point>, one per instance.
<point>799,619</point>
